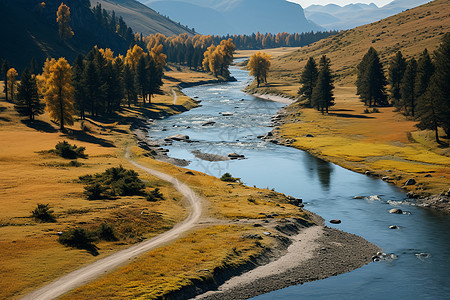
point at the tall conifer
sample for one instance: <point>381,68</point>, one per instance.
<point>308,80</point>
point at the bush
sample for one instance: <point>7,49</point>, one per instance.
<point>155,195</point>
<point>112,182</point>
<point>94,191</point>
<point>106,232</point>
<point>79,238</point>
<point>68,151</point>
<point>228,178</point>
<point>43,213</point>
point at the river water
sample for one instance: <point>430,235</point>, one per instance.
<point>421,267</point>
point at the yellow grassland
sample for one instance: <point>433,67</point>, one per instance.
<point>31,255</point>
<point>384,142</point>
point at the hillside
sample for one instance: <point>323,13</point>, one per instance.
<point>410,31</point>
<point>32,31</point>
<point>142,18</point>
<point>337,17</point>
<point>236,16</point>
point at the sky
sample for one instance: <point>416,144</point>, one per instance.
<point>306,3</point>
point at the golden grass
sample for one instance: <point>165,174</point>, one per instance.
<point>31,255</point>
<point>156,273</point>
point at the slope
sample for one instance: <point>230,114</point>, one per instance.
<point>29,30</point>
<point>142,18</point>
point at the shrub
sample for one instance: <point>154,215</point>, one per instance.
<point>375,110</point>
<point>68,151</point>
<point>228,178</point>
<point>79,238</point>
<point>154,195</point>
<point>43,213</point>
<point>106,232</point>
<point>94,191</point>
<point>112,182</point>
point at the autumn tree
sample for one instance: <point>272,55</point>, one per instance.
<point>59,96</point>
<point>308,80</point>
<point>371,81</point>
<point>28,102</point>
<point>396,71</point>
<point>63,19</point>
<point>259,65</point>
<point>11,76</point>
<point>408,89</point>
<point>322,95</point>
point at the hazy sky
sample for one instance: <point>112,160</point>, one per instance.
<point>306,3</point>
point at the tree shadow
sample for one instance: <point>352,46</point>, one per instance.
<point>5,119</point>
<point>85,137</point>
<point>2,108</point>
<point>40,126</point>
<point>350,116</point>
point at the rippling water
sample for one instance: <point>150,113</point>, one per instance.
<point>421,244</point>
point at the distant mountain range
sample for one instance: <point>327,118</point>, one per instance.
<point>221,17</point>
<point>142,18</point>
<point>333,16</point>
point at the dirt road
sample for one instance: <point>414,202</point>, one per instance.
<point>92,271</point>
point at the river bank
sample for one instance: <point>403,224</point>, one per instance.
<point>320,135</point>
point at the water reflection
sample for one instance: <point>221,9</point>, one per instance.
<point>320,167</point>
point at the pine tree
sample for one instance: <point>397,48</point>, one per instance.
<point>322,96</point>
<point>91,83</point>
<point>425,70</point>
<point>371,81</point>
<point>28,102</point>
<point>5,68</point>
<point>59,96</point>
<point>396,71</point>
<point>79,88</point>
<point>428,112</point>
<point>34,67</point>
<point>408,88</point>
<point>63,19</point>
<point>130,85</point>
<point>308,80</point>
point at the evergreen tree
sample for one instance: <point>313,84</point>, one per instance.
<point>130,85</point>
<point>5,69</point>
<point>79,88</point>
<point>28,102</point>
<point>308,80</point>
<point>371,81</point>
<point>91,83</point>
<point>408,88</point>
<point>428,112</point>
<point>397,69</point>
<point>425,70</point>
<point>34,67</point>
<point>142,78</point>
<point>322,96</point>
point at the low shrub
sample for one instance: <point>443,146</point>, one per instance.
<point>43,213</point>
<point>155,195</point>
<point>228,178</point>
<point>68,151</point>
<point>79,238</point>
<point>95,191</point>
<point>106,232</point>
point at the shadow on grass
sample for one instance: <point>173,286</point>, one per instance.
<point>86,137</point>
<point>350,116</point>
<point>40,126</point>
<point>5,119</point>
<point>2,109</point>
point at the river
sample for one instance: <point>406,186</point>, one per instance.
<point>421,244</point>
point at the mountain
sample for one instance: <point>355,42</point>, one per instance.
<point>411,32</point>
<point>142,18</point>
<point>223,17</point>
<point>30,30</point>
<point>333,16</point>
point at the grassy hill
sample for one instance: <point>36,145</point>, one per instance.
<point>142,18</point>
<point>410,32</point>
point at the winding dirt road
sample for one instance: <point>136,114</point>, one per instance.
<point>92,271</point>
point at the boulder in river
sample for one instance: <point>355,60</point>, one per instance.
<point>393,227</point>
<point>396,211</point>
<point>177,137</point>
<point>410,182</point>
<point>208,123</point>
<point>335,221</point>
<point>226,114</point>
<point>236,156</point>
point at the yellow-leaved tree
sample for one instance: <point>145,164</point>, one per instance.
<point>59,95</point>
<point>259,65</point>
<point>12,82</point>
<point>133,56</point>
<point>63,19</point>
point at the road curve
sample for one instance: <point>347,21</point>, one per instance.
<point>92,271</point>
